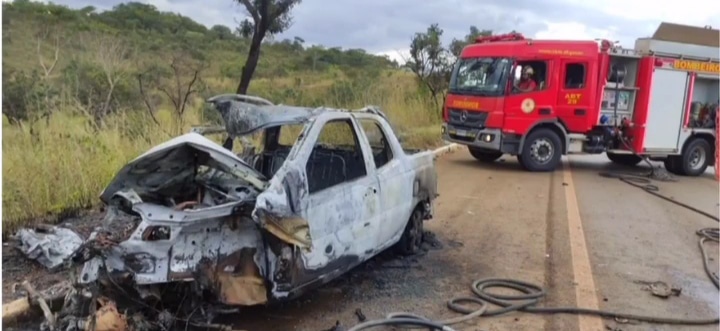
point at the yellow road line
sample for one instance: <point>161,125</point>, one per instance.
<point>585,292</point>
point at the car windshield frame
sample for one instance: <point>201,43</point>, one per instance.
<point>485,84</point>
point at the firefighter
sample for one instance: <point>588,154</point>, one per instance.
<point>527,84</point>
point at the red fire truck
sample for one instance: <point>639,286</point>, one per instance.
<point>541,99</point>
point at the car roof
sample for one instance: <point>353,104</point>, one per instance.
<point>243,114</point>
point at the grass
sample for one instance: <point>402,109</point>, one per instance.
<point>64,166</point>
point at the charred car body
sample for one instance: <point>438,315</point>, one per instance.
<point>273,223</point>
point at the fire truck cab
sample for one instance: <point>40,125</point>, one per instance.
<point>540,99</point>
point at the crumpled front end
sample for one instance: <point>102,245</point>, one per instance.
<point>221,250</point>
<point>182,213</point>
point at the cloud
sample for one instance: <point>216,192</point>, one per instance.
<point>386,26</point>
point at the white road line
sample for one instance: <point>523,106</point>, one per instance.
<point>585,291</point>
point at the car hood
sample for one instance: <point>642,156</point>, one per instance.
<point>167,160</point>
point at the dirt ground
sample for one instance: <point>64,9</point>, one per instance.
<point>497,221</point>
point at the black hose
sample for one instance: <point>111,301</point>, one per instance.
<point>525,302</point>
<point>644,183</point>
<point>712,234</point>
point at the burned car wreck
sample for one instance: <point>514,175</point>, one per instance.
<point>270,223</point>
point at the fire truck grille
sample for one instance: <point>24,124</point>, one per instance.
<point>473,119</point>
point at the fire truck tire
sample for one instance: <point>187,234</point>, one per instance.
<point>695,157</point>
<point>541,151</point>
<point>672,165</point>
<point>484,156</point>
<point>624,159</point>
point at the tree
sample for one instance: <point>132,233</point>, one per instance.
<point>45,33</point>
<point>430,62</point>
<point>269,17</point>
<point>221,32</point>
<point>457,45</point>
<point>178,82</point>
<point>26,96</point>
<point>113,57</point>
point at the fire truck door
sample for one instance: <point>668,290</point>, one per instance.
<point>523,107</point>
<point>574,99</point>
<point>665,110</point>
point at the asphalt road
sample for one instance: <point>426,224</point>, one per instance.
<point>589,240</point>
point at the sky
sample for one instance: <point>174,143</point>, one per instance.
<point>387,26</point>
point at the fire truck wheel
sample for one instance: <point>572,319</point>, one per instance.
<point>695,157</point>
<point>672,164</point>
<point>542,150</point>
<point>484,156</point>
<point>624,159</point>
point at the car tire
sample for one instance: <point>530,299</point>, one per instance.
<point>541,151</point>
<point>412,237</point>
<point>624,159</point>
<point>695,157</point>
<point>672,165</point>
<point>485,156</point>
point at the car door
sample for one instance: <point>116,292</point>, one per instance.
<point>394,179</point>
<point>342,204</point>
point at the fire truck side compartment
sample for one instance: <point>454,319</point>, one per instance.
<point>668,95</point>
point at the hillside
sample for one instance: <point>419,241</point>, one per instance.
<point>86,91</point>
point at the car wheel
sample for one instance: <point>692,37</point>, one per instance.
<point>672,165</point>
<point>694,159</point>
<point>412,237</point>
<point>624,159</point>
<point>485,156</point>
<point>542,150</point>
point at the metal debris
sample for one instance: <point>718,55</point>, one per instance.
<point>49,245</point>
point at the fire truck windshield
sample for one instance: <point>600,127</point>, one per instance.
<point>482,76</point>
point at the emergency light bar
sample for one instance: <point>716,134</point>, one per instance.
<point>514,36</point>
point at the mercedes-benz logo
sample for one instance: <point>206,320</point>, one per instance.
<point>463,115</point>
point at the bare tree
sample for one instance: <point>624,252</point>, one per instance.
<point>113,56</point>
<point>179,81</point>
<point>267,17</point>
<point>41,36</point>
<point>186,73</point>
<point>147,78</point>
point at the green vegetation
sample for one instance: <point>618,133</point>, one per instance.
<point>87,91</point>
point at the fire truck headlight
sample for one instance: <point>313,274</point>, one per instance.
<point>487,137</point>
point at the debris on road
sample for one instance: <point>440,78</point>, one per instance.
<point>108,318</point>
<point>336,327</point>
<point>27,306</point>
<point>361,317</point>
<point>660,289</point>
<point>49,245</point>
<point>34,295</point>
